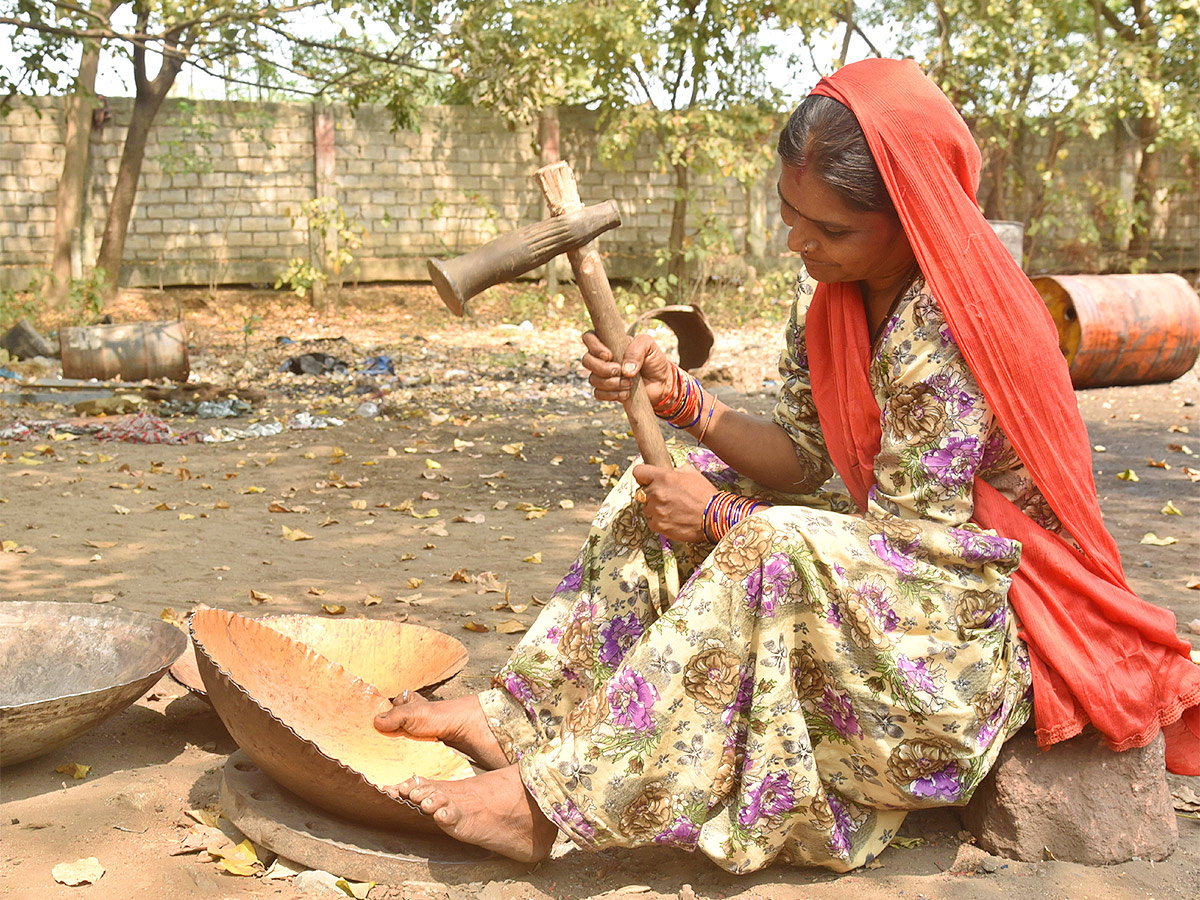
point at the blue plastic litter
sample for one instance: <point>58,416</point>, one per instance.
<point>378,365</point>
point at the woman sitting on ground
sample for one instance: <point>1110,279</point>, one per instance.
<point>743,663</point>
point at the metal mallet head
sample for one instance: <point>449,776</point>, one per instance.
<point>512,255</point>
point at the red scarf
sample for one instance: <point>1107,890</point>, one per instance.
<point>1099,653</point>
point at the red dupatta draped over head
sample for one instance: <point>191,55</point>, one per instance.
<point>1099,652</point>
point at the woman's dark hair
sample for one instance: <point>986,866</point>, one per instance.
<point>823,136</point>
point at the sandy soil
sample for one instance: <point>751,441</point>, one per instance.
<point>486,452</point>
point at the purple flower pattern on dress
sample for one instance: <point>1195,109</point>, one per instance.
<point>954,465</point>
<point>683,833</point>
<point>837,708</point>
<point>944,784</point>
<point>873,594</point>
<point>618,635</point>
<point>573,579</point>
<point>843,825</point>
<point>950,386</point>
<point>916,672</point>
<point>993,450</point>
<point>887,551</point>
<point>769,799</point>
<point>768,584</point>
<point>632,698</point>
<point>518,687</point>
<point>569,817</point>
<point>983,548</point>
<point>743,698</point>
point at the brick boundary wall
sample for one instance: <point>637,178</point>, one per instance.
<point>460,180</point>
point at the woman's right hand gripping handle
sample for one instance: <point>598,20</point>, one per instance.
<point>611,381</point>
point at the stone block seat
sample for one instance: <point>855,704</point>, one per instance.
<point>1078,801</point>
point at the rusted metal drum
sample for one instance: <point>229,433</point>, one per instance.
<point>1123,329</point>
<point>130,351</point>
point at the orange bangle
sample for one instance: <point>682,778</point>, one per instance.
<point>704,430</point>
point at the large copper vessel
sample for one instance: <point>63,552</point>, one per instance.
<point>308,722</point>
<point>69,666</point>
<point>393,656</point>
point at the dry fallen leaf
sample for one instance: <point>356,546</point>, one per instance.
<point>372,600</point>
<point>1170,510</point>
<point>1193,583</point>
<point>197,838</point>
<point>490,583</point>
<point>475,626</point>
<point>461,575</point>
<point>207,815</point>
<point>259,596</point>
<point>566,504</point>
<point>316,591</point>
<point>295,534</point>
<point>414,583</point>
<point>908,843</point>
<point>358,504</point>
<point>238,860</point>
<point>1157,463</point>
<point>1155,541</point>
<point>251,489</point>
<point>101,545</point>
<point>333,609</point>
<point>1127,475</point>
<point>355,889</point>
<point>283,867</point>
<point>102,597</point>
<point>75,770</point>
<point>534,558</point>
<point>120,510</point>
<point>510,626</point>
<point>82,871</point>
<point>432,464</point>
<point>473,520</point>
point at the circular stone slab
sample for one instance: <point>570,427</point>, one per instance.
<point>293,828</point>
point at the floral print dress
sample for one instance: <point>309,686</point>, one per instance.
<point>789,693</point>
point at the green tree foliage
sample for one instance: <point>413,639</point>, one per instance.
<point>1034,78</point>
<point>688,79</point>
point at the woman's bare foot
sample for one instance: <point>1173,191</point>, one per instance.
<point>460,723</point>
<point>492,810</point>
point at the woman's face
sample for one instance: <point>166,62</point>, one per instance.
<point>838,242</point>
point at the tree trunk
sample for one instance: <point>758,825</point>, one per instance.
<point>68,205</point>
<point>150,95</point>
<point>548,144</point>
<point>677,267</point>
<point>1144,187</point>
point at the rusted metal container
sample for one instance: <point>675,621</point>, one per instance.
<point>1123,329</point>
<point>130,351</point>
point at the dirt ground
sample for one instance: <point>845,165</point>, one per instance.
<point>486,455</point>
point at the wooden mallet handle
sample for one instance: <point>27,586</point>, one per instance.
<point>557,182</point>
